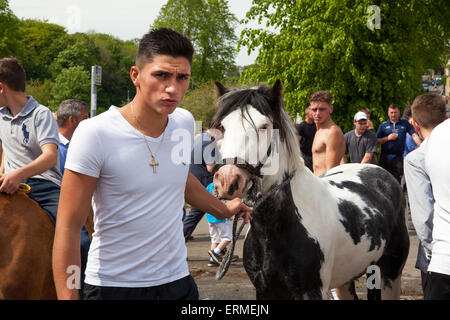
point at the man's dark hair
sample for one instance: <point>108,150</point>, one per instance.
<point>163,41</point>
<point>321,96</point>
<point>394,106</point>
<point>70,107</point>
<point>429,110</point>
<point>12,74</point>
<point>407,112</point>
<point>366,110</point>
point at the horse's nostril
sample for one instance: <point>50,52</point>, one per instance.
<point>234,187</point>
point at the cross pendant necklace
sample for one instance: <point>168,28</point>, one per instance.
<point>154,163</point>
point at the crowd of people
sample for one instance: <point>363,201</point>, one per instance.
<point>138,249</point>
<point>410,148</point>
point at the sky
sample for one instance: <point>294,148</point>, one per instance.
<point>124,19</point>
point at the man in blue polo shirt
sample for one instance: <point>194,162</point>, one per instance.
<point>391,136</point>
<point>70,113</point>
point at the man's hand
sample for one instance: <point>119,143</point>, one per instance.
<point>10,182</point>
<point>236,206</point>
<point>392,136</point>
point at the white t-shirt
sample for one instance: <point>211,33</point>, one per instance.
<point>437,164</point>
<point>138,235</point>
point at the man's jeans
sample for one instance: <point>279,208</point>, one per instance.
<point>191,221</point>
<point>46,193</point>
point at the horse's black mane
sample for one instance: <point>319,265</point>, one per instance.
<point>262,99</point>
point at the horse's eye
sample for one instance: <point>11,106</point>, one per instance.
<point>264,127</point>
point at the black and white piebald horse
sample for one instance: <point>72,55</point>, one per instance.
<point>310,234</point>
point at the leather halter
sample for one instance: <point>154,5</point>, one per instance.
<point>255,171</point>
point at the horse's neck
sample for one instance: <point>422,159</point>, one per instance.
<point>307,189</point>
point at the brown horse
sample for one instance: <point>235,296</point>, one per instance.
<point>26,241</point>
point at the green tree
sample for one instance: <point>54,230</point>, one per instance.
<point>80,51</point>
<point>210,25</point>
<point>327,45</point>
<point>116,58</point>
<point>71,83</point>
<point>8,26</point>
<point>40,90</point>
<point>42,42</point>
<point>201,102</point>
<point>58,65</point>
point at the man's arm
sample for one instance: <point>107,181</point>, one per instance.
<point>210,167</point>
<point>390,137</point>
<point>2,161</point>
<point>197,196</point>
<point>367,157</point>
<point>347,142</point>
<point>10,182</point>
<point>335,148</point>
<point>371,148</point>
<point>421,201</point>
<point>74,207</point>
<point>416,139</point>
<point>299,132</point>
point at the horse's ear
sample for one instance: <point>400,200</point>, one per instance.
<point>277,91</point>
<point>221,90</point>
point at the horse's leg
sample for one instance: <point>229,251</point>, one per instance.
<point>347,291</point>
<point>252,261</point>
<point>394,258</point>
<point>391,289</point>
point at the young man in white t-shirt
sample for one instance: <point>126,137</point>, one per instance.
<point>428,111</point>
<point>134,160</point>
<point>437,159</point>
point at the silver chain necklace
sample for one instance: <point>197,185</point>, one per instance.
<point>153,164</point>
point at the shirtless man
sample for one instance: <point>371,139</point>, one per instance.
<point>329,144</point>
<point>328,148</point>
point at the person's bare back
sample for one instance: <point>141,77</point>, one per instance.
<point>329,144</point>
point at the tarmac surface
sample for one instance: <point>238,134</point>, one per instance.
<point>235,285</point>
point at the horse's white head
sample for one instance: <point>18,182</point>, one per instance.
<point>258,138</point>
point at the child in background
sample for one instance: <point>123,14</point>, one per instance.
<point>220,232</point>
